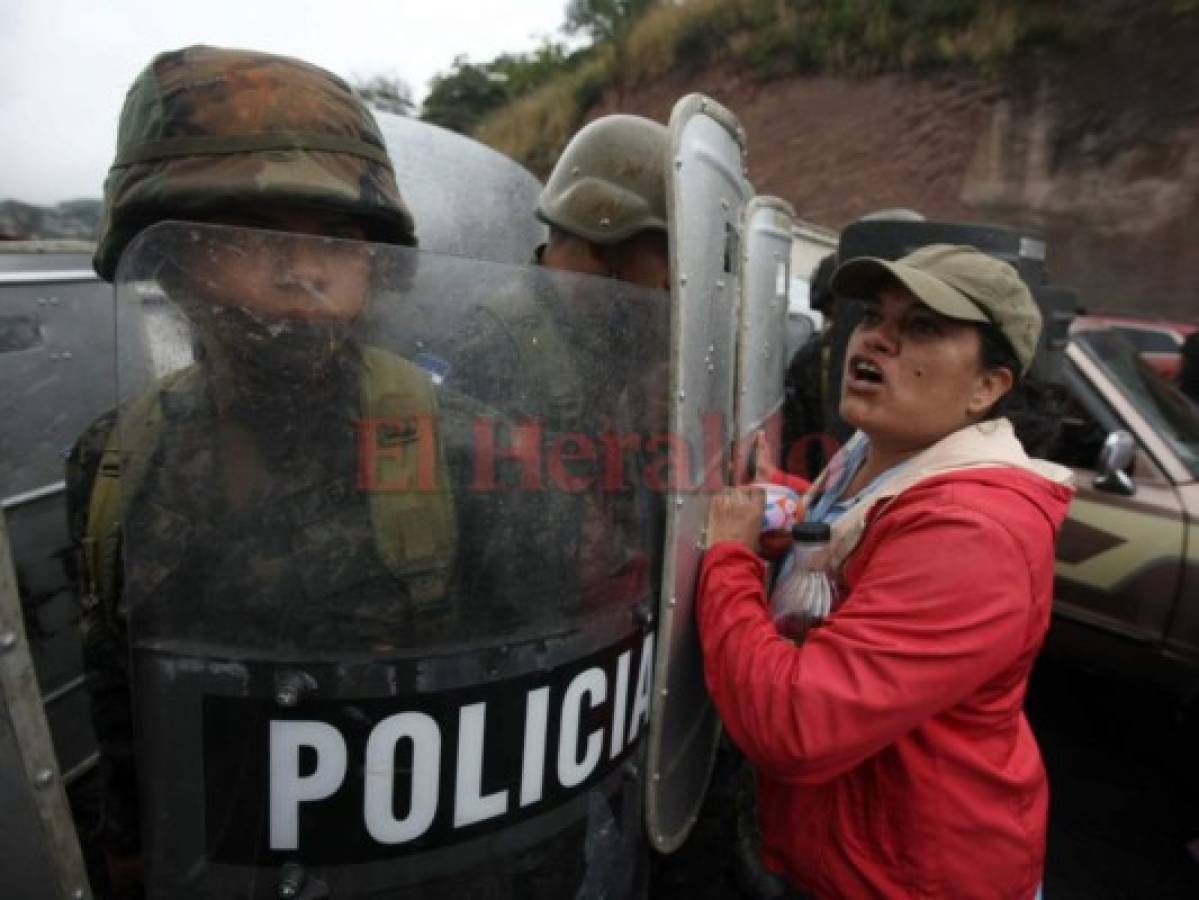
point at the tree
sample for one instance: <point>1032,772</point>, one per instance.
<point>608,22</point>
<point>460,98</point>
<point>604,20</point>
<point>389,93</point>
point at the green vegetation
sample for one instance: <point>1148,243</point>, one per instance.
<point>389,93</point>
<point>636,41</point>
<point>461,98</point>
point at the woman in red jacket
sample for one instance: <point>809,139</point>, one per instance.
<point>892,753</point>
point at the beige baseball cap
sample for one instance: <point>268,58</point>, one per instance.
<point>957,281</point>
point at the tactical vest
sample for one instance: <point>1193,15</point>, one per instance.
<point>415,532</point>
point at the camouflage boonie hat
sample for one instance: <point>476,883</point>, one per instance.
<point>206,131</point>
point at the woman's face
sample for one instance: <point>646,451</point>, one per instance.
<point>913,376</point>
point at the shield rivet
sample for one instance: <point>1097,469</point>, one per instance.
<point>8,640</point>
<point>665,692</point>
<point>678,162</point>
<point>43,778</point>
<point>291,881</point>
<point>682,395</point>
<point>605,222</point>
<point>290,687</point>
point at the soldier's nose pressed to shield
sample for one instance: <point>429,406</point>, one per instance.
<point>892,752</point>
<point>279,279</point>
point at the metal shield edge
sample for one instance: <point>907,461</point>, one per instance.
<point>761,334</point>
<point>58,870</point>
<point>677,782</point>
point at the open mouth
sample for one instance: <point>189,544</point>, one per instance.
<point>863,370</point>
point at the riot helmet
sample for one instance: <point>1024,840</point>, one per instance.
<point>609,184</point>
<point>207,132</point>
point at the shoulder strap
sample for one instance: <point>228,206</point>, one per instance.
<point>411,505</point>
<point>127,452</point>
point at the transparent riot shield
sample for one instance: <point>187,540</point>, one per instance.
<point>706,192</point>
<point>467,199</point>
<point>387,567</point>
<point>762,334</point>
<point>39,850</point>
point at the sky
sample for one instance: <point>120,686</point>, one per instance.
<point>65,64</point>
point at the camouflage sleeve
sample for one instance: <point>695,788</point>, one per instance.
<point>83,461</point>
<point>105,655</point>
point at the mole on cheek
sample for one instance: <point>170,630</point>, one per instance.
<point>919,373</point>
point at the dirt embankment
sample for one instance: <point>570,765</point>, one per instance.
<point>1097,151</point>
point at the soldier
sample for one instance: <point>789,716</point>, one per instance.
<point>247,139</point>
<point>605,205</point>
<point>293,552</point>
<point>529,352</point>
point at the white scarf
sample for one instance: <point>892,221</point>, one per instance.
<point>985,445</point>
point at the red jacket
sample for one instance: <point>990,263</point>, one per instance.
<point>893,756</point>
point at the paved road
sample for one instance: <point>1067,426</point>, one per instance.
<point>1124,777</point>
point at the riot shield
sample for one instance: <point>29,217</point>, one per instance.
<point>762,334</point>
<point>391,626</point>
<point>39,849</point>
<point>467,199</point>
<point>706,192</point>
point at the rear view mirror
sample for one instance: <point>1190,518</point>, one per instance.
<point>1116,455</point>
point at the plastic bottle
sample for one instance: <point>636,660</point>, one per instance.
<point>804,593</point>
